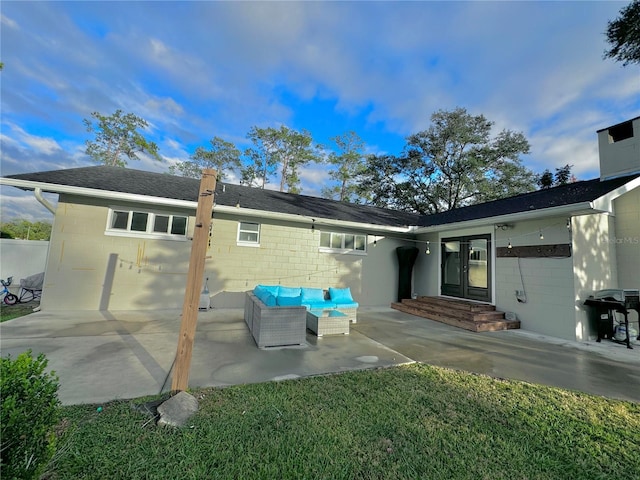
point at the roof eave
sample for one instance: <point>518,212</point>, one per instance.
<point>319,222</point>
<point>605,202</point>
<point>573,209</point>
<point>168,202</point>
<point>95,193</point>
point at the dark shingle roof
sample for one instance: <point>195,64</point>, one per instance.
<point>162,185</point>
<point>571,193</point>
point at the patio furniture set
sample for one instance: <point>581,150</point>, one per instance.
<point>280,316</point>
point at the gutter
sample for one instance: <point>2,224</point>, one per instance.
<point>45,203</point>
<point>192,205</point>
<point>318,222</point>
<point>90,192</point>
<point>573,209</point>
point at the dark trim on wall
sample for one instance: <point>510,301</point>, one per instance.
<point>561,250</point>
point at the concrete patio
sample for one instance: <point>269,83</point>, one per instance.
<point>102,356</point>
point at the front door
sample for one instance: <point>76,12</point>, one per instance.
<point>466,267</point>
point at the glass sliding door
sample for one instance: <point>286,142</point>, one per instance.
<point>466,267</point>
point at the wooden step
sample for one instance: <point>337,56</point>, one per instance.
<point>456,304</point>
<point>476,317</point>
<point>484,313</point>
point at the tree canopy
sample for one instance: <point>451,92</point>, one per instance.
<point>623,35</point>
<point>117,139</point>
<point>454,163</point>
<point>349,165</point>
<point>222,157</point>
<point>562,176</point>
<point>274,149</point>
<point>25,230</point>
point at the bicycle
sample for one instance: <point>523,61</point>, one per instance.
<point>9,298</point>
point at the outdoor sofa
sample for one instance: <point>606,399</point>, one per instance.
<point>276,315</point>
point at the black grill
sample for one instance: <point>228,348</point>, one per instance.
<point>606,302</point>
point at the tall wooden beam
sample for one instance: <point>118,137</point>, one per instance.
<point>204,210</point>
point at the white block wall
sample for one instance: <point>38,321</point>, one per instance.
<point>90,270</point>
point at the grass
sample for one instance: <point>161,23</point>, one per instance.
<point>408,422</point>
<point>9,312</point>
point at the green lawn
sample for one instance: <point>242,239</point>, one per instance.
<point>9,312</point>
<point>408,422</point>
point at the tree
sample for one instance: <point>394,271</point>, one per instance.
<point>562,177</point>
<point>117,139</point>
<point>453,163</point>
<point>349,163</point>
<point>377,183</point>
<point>25,230</point>
<point>221,157</point>
<point>623,35</point>
<point>545,180</point>
<point>282,148</point>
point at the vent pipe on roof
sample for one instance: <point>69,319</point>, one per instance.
<point>38,194</point>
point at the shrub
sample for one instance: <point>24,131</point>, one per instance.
<point>30,411</point>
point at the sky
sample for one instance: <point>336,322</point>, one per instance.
<point>195,70</point>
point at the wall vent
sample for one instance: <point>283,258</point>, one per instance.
<point>621,132</point>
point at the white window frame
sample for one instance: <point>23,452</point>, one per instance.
<point>148,232</point>
<point>248,243</point>
<point>342,249</point>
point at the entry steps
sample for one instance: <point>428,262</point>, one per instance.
<point>477,317</point>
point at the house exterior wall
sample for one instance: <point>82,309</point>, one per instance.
<point>619,156</point>
<point>547,282</point>
<point>594,266</point>
<point>627,238</point>
<point>426,271</point>
<point>289,255</point>
<point>88,270</point>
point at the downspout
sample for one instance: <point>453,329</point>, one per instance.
<point>38,194</point>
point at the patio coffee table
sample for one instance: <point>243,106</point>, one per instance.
<point>327,322</point>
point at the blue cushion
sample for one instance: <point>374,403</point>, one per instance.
<point>269,300</point>
<point>341,295</point>
<point>264,296</point>
<point>289,301</point>
<point>272,289</point>
<point>289,292</point>
<point>312,295</point>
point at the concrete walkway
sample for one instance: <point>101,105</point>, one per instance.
<point>102,356</point>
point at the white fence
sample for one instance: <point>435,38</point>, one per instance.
<point>21,258</point>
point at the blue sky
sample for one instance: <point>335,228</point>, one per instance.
<point>195,70</point>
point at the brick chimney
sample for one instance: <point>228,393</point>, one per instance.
<point>619,148</point>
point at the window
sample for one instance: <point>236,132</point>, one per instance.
<point>249,234</point>
<point>155,225</point>
<point>343,242</point>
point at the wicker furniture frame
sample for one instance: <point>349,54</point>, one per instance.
<point>275,326</point>
<point>327,322</point>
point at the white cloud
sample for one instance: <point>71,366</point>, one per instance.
<point>165,106</point>
<point>41,145</point>
<point>195,70</point>
<point>313,179</point>
<point>8,22</point>
<point>23,205</point>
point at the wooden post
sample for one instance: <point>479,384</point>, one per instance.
<point>194,281</point>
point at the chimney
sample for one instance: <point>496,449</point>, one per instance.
<point>619,148</point>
